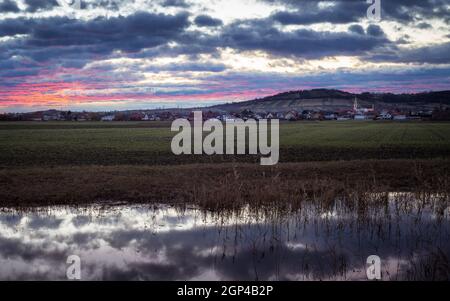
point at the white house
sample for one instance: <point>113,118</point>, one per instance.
<point>280,115</point>
<point>108,118</point>
<point>360,117</point>
<point>385,115</point>
<point>400,117</point>
<point>270,116</point>
<point>226,118</point>
<point>330,116</point>
<point>292,115</point>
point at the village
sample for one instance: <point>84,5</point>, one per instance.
<point>357,112</point>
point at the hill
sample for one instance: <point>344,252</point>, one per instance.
<point>335,100</point>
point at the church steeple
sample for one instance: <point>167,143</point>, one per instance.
<point>355,105</point>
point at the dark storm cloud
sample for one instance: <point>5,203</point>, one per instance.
<point>204,20</point>
<point>12,27</point>
<point>60,36</point>
<point>356,29</point>
<point>9,6</point>
<point>424,25</point>
<point>125,33</point>
<point>261,34</point>
<point>410,10</point>
<point>347,11</point>
<point>435,54</point>
<point>305,43</point>
<point>375,30</point>
<point>35,5</point>
<point>174,3</point>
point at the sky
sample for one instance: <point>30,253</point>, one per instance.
<point>141,54</point>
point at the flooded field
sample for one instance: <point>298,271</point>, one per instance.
<point>311,241</point>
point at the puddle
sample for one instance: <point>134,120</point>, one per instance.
<point>315,241</point>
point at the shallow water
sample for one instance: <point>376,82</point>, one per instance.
<point>315,241</point>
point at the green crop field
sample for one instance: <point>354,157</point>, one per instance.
<point>73,163</point>
<point>148,143</point>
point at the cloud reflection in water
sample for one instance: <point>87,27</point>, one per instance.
<point>165,243</point>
